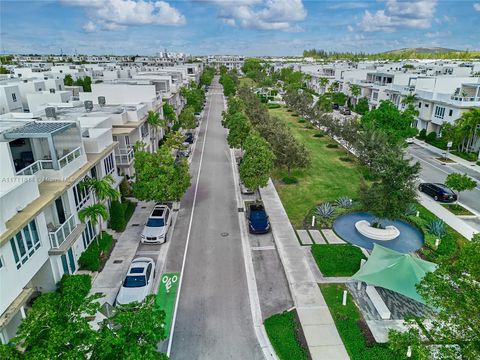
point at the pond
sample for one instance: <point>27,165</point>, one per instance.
<point>409,240</point>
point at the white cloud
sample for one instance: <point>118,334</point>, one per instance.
<point>278,15</point>
<point>348,5</point>
<point>476,6</point>
<point>437,34</point>
<point>350,28</point>
<point>415,14</point>
<point>89,27</point>
<point>119,14</point>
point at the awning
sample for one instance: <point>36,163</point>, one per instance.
<point>394,271</point>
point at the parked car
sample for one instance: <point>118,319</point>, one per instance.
<point>138,282</point>
<point>189,138</point>
<point>409,140</point>
<point>258,222</point>
<point>439,192</point>
<point>184,152</point>
<point>345,111</point>
<point>244,190</point>
<point>335,106</point>
<point>156,228</point>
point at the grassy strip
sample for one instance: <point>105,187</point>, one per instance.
<point>457,209</point>
<point>326,179</point>
<point>282,330</point>
<point>97,254</point>
<point>450,242</point>
<point>337,260</point>
<point>357,339</point>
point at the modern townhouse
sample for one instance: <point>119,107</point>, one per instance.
<point>231,62</point>
<point>44,159</point>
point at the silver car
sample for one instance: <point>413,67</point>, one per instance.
<point>138,283</point>
<point>156,228</point>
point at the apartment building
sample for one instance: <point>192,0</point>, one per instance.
<point>44,159</point>
<point>231,62</point>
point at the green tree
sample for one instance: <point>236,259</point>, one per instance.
<point>389,119</point>
<point>258,162</point>
<point>228,83</point>
<point>362,106</point>
<point>239,129</point>
<point>158,177</point>
<point>67,80</point>
<point>455,325</point>
<point>355,90</point>
<point>186,119</point>
<point>460,182</point>
<point>394,187</point>
<point>169,113</point>
<point>3,70</point>
<point>117,216</point>
<point>467,128</point>
<point>194,96</point>
<point>324,103</point>
<point>95,213</point>
<point>102,188</point>
<point>175,140</point>
<point>207,76</point>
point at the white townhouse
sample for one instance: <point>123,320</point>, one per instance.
<point>44,159</point>
<point>10,98</point>
<point>231,62</point>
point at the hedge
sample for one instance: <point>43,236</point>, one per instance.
<point>95,256</point>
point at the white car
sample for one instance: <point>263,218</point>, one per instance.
<point>138,282</point>
<point>156,228</point>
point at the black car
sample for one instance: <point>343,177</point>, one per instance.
<point>258,222</point>
<point>189,138</point>
<point>438,192</point>
<point>335,106</point>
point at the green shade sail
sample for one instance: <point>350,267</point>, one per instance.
<point>394,271</point>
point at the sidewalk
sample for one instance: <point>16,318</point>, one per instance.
<point>321,335</point>
<point>108,280</point>
<point>454,221</point>
<point>471,165</point>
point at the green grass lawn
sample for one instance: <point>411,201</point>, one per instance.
<point>457,209</point>
<point>326,179</point>
<point>244,81</point>
<point>347,320</point>
<point>281,330</point>
<point>337,260</point>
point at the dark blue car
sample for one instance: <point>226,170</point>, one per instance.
<point>438,192</point>
<point>258,222</point>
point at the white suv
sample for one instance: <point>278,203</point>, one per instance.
<point>156,228</point>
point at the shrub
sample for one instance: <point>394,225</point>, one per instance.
<point>432,136</point>
<point>332,146</point>
<point>422,134</point>
<point>97,253</point>
<point>346,158</point>
<point>411,209</point>
<point>344,202</point>
<point>176,127</point>
<point>436,227</point>
<point>302,120</point>
<point>319,135</point>
<point>337,260</point>
<point>295,115</point>
<point>117,216</point>
<point>325,210</point>
<point>125,189</point>
<point>289,180</point>
<point>274,106</point>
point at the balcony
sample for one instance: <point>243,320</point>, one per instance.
<point>35,167</point>
<point>68,158</point>
<point>59,235</point>
<point>124,156</point>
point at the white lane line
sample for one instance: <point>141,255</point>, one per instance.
<point>172,329</point>
<point>255,309</point>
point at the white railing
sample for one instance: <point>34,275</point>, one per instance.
<point>124,156</point>
<point>67,159</point>
<point>58,236</point>
<point>35,167</point>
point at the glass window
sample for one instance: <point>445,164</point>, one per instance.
<point>134,281</point>
<point>155,222</point>
<point>25,243</point>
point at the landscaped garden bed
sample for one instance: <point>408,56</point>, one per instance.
<point>120,214</point>
<point>286,336</point>
<point>97,253</point>
<point>353,330</point>
<point>457,209</point>
<point>337,259</point>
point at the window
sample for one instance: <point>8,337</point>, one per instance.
<point>68,262</point>
<point>25,243</point>
<point>81,196</point>
<point>375,95</point>
<point>419,104</point>
<point>450,112</point>
<point>1,262</point>
<point>93,172</point>
<point>439,112</point>
<point>426,105</point>
<point>14,97</point>
<point>88,234</point>
<point>109,164</point>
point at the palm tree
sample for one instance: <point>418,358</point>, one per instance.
<point>95,213</point>
<point>102,188</point>
<point>153,118</point>
<point>323,83</point>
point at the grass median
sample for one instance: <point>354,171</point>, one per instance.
<point>326,179</point>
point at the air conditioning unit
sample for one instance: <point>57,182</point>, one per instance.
<point>88,105</point>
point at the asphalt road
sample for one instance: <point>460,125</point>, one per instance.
<point>213,317</point>
<point>434,171</point>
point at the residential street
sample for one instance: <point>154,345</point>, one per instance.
<point>213,318</point>
<point>434,171</point>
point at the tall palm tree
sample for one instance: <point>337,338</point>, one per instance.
<point>153,118</point>
<point>102,188</point>
<point>96,213</point>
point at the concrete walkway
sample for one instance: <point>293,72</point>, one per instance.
<point>454,221</point>
<point>321,335</point>
<point>471,165</point>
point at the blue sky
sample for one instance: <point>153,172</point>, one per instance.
<point>248,27</point>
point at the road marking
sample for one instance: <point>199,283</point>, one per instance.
<point>255,309</point>
<point>172,329</point>
<point>261,248</point>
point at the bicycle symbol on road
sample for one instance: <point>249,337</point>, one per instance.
<point>169,281</point>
